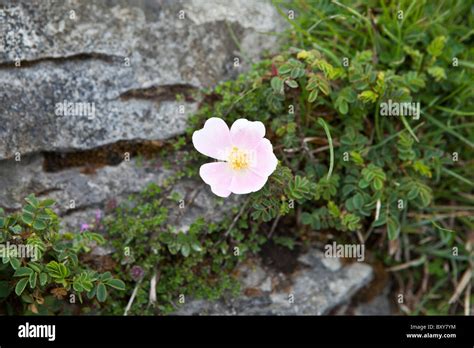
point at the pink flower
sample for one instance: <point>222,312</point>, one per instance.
<point>246,158</point>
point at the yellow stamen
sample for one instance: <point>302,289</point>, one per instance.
<point>238,159</point>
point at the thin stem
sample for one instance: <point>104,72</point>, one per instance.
<point>331,147</point>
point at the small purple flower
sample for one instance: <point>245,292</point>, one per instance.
<point>98,216</point>
<point>137,273</point>
<point>84,227</point>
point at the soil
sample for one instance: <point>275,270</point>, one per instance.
<point>107,155</point>
<point>280,258</point>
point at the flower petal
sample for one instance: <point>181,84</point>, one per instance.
<point>246,181</point>
<point>246,134</point>
<point>265,161</point>
<point>219,176</point>
<point>213,139</point>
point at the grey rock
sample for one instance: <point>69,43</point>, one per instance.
<point>314,289</point>
<point>126,60</point>
<point>90,192</point>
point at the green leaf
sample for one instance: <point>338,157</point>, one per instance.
<point>299,188</point>
<point>43,278</point>
<point>285,69</point>
<point>343,107</point>
<point>34,266</point>
<point>23,271</point>
<point>57,270</point>
<point>333,209</point>
<point>363,183</point>
<point>16,229</point>
<point>196,247</point>
<point>39,225</point>
<point>378,184</point>
<point>185,250</point>
<point>277,85</point>
<point>312,96</point>
<point>437,73</point>
<point>393,228</point>
<point>15,263</point>
<point>292,83</point>
<point>116,284</point>
<point>101,292</point>
<point>92,293</point>
<point>47,203</point>
<point>368,96</point>
<point>324,86</point>
<point>435,48</point>
<point>27,217</point>
<point>33,277</point>
<point>32,200</point>
<point>43,217</point>
<point>351,221</point>
<point>77,286</point>
<point>297,72</point>
<point>20,286</point>
<point>29,209</point>
<point>106,276</point>
<point>358,201</point>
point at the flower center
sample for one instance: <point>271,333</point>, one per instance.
<point>238,159</point>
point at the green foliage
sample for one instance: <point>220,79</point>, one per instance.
<point>393,175</point>
<point>374,176</point>
<point>40,268</point>
<point>194,261</point>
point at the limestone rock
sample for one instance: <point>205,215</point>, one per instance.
<point>117,66</point>
<point>313,289</point>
